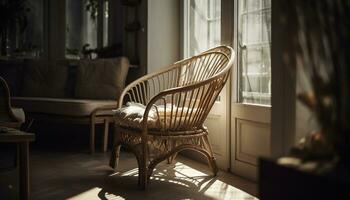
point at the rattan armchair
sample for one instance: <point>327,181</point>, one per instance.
<point>174,104</point>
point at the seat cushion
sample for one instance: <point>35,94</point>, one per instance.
<point>131,116</point>
<point>101,78</point>
<point>61,106</point>
<point>19,114</point>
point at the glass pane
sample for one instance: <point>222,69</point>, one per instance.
<point>254,46</point>
<point>81,26</point>
<point>203,29</point>
<point>25,34</point>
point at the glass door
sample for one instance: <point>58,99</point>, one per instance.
<point>251,102</point>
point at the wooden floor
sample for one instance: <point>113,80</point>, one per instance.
<point>67,175</point>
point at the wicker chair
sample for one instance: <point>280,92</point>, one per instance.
<point>171,106</point>
<point>9,117</point>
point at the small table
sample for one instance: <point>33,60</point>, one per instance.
<point>22,139</point>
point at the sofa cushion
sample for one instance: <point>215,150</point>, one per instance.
<point>44,78</point>
<point>101,78</point>
<point>60,106</point>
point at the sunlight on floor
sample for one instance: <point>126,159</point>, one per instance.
<point>178,174</point>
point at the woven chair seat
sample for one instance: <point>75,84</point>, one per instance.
<point>159,117</point>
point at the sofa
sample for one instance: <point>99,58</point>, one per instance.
<point>68,91</point>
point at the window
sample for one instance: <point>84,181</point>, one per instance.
<point>82,20</point>
<point>254,51</point>
<point>202,30</point>
<point>24,37</point>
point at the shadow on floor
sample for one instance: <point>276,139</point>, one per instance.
<point>63,175</point>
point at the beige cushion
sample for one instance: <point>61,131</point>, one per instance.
<point>19,114</point>
<point>101,78</point>
<point>43,78</point>
<point>131,116</point>
<point>67,107</point>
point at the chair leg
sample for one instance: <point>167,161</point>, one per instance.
<point>142,174</point>
<point>114,160</point>
<point>105,136</point>
<point>143,170</point>
<point>171,158</point>
<point>92,136</point>
<point>211,158</point>
<point>115,154</point>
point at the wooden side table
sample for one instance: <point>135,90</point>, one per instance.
<point>22,140</point>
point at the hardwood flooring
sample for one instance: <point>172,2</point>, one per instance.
<point>67,175</point>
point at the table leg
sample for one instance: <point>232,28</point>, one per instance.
<point>105,136</point>
<point>24,171</point>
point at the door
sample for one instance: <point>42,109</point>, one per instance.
<point>201,31</point>
<point>251,91</point>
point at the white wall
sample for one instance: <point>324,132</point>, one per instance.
<point>163,35</point>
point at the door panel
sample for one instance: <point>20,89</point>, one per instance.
<point>252,140</point>
<point>250,137</point>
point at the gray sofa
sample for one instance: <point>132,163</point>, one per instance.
<point>69,91</point>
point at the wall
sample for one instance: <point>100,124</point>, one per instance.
<point>163,35</point>
<point>283,87</point>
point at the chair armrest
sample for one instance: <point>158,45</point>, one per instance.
<point>189,105</point>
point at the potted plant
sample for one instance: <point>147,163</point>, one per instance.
<point>324,45</point>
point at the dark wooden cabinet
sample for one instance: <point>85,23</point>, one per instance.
<point>277,182</point>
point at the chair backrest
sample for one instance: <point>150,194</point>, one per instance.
<point>184,93</point>
<point>205,75</point>
<point>5,113</point>
<point>228,51</point>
